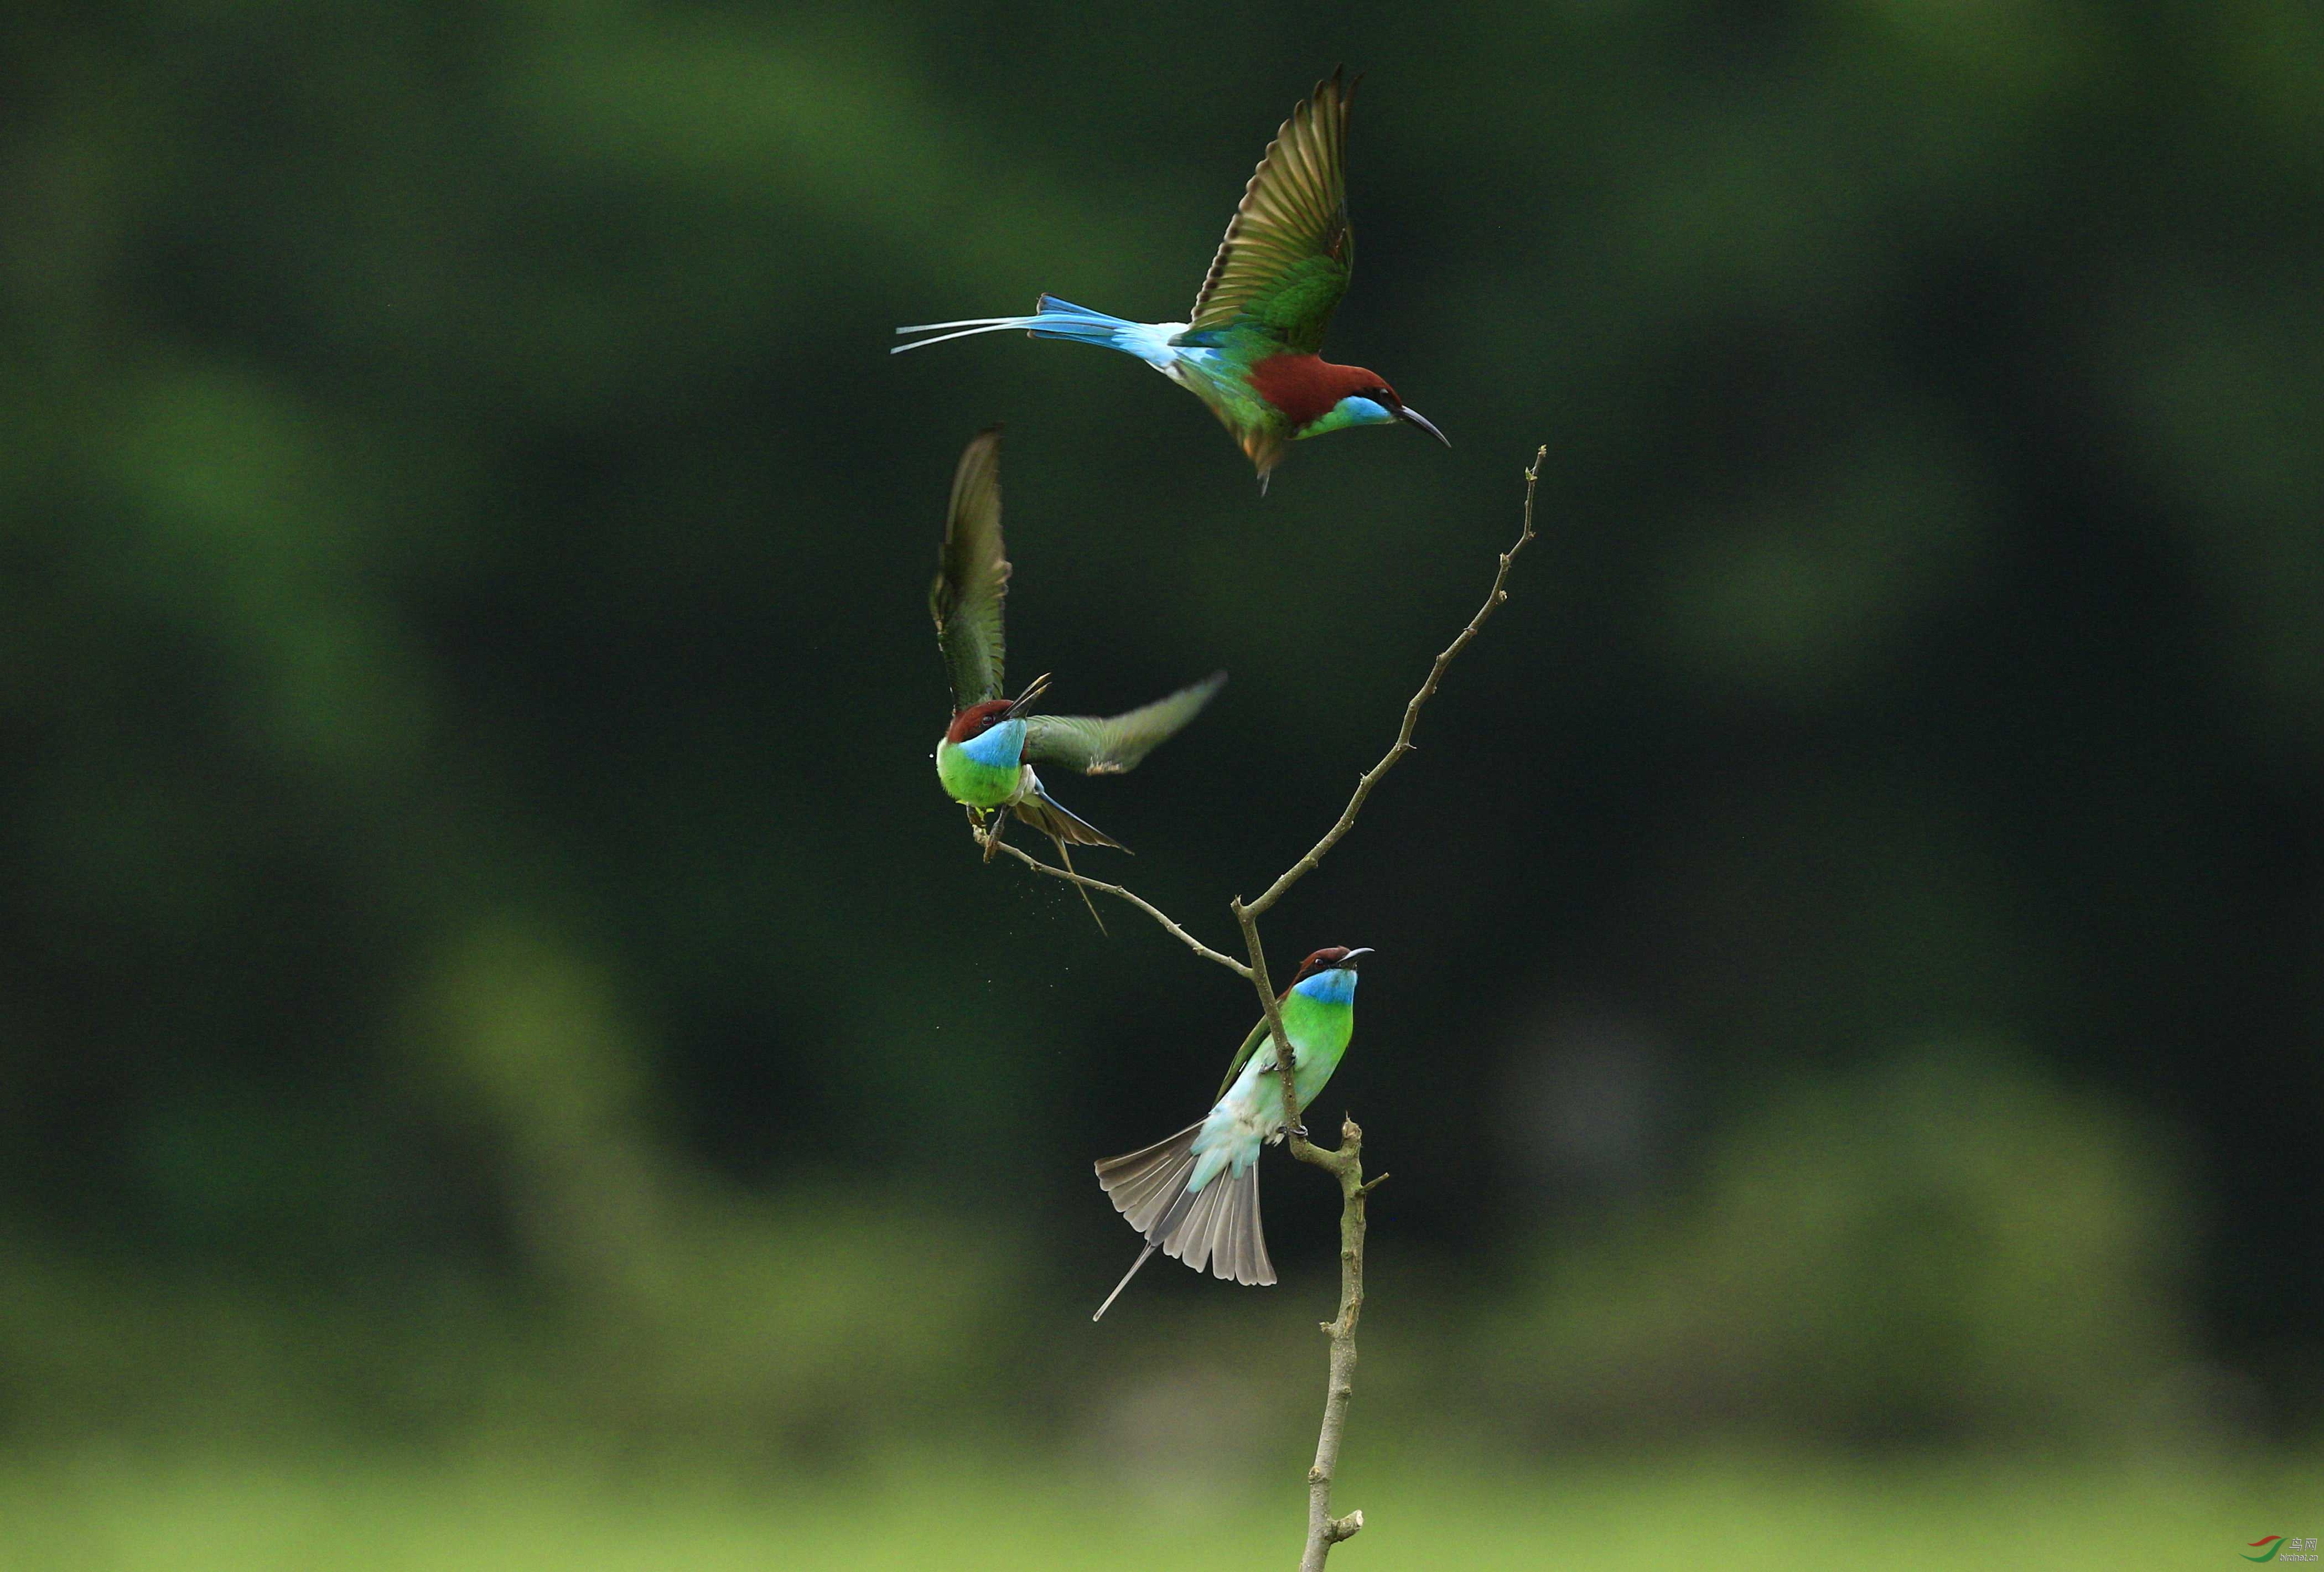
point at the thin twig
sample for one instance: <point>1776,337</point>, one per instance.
<point>1370,778</point>
<point>1271,1008</point>
<point>1346,1163</point>
<point>1324,1530</point>
<point>1148,907</point>
<point>1403,746</point>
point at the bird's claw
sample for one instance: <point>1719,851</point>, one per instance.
<point>988,834</point>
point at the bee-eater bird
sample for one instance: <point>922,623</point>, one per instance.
<point>1250,350</point>
<point>986,757</point>
<point>1195,1195</point>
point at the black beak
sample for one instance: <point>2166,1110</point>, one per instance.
<point>1352,956</point>
<point>1031,696</point>
<point>1414,417</point>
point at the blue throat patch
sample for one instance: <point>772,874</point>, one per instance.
<point>1336,986</point>
<point>997,747</point>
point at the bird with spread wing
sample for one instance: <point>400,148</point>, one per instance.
<point>1251,349</point>
<point>986,754</point>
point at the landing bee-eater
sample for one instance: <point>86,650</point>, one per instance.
<point>1250,350</point>
<point>1195,1195</point>
<point>986,757</point>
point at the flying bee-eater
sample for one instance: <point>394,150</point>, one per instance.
<point>986,757</point>
<point>1195,1195</point>
<point>1250,351</point>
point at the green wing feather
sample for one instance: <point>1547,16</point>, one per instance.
<point>1112,745</point>
<point>972,576</point>
<point>1287,254</point>
<point>1242,1057</point>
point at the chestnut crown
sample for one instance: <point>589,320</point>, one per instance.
<point>1328,959</point>
<point>976,720</point>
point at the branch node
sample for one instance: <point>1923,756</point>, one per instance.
<point>1348,1527</point>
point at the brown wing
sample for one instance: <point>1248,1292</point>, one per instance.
<point>972,576</point>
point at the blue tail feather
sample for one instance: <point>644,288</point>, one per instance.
<point>1057,318</point>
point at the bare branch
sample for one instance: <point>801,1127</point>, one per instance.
<point>1403,744</point>
<point>1284,1064</point>
<point>1346,1163</point>
<point>1118,893</point>
<point>1324,1530</point>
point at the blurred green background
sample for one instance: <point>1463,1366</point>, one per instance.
<point>507,1058</point>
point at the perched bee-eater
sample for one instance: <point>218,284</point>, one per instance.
<point>1250,352</point>
<point>986,757</point>
<point>1195,1195</point>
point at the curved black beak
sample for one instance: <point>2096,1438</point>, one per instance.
<point>1031,697</point>
<point>1354,956</point>
<point>1411,416</point>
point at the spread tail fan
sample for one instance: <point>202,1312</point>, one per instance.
<point>1217,1225</point>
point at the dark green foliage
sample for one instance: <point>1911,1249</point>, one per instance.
<point>466,684</point>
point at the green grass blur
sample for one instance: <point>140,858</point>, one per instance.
<point>109,1514</point>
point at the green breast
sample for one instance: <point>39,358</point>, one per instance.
<point>1320,1030</point>
<point>978,785</point>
